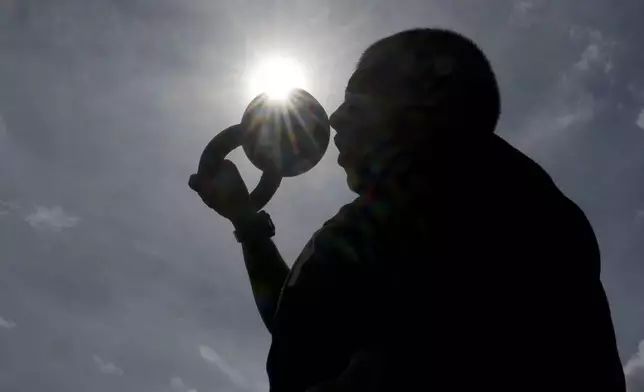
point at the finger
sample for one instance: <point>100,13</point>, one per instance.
<point>208,202</point>
<point>199,184</point>
<point>202,188</point>
<point>227,163</point>
<point>227,171</point>
<point>193,182</point>
<point>196,178</point>
<point>208,184</point>
<point>228,176</point>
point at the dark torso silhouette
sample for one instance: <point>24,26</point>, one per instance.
<point>465,268</point>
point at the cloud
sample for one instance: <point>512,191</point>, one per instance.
<point>524,6</point>
<point>210,355</point>
<point>581,113</point>
<point>573,103</point>
<point>634,371</point>
<point>7,324</point>
<point>147,249</point>
<point>54,219</point>
<point>179,385</point>
<point>639,216</point>
<point>572,107</point>
<point>7,206</point>
<point>523,12</point>
<point>107,367</point>
<point>598,52</point>
<point>640,119</point>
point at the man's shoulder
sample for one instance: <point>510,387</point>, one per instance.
<point>361,220</point>
<point>342,241</point>
<point>349,236</point>
<point>534,203</point>
<point>356,209</point>
<point>533,181</point>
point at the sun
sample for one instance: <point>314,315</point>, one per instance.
<point>277,76</point>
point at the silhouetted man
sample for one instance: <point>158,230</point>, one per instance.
<point>459,266</point>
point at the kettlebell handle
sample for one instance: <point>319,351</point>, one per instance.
<point>283,139</point>
<point>216,151</point>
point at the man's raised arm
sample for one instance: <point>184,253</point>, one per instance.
<point>267,272</point>
<point>225,192</point>
<point>266,269</point>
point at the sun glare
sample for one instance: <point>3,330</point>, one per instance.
<point>276,77</point>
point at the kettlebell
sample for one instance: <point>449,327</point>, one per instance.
<point>282,138</point>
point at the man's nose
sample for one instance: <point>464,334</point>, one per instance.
<point>335,119</point>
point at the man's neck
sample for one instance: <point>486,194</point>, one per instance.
<point>397,173</point>
<point>404,172</point>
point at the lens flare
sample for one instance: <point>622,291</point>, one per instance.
<point>277,77</point>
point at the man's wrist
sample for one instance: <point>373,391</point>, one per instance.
<point>252,226</point>
<point>243,218</point>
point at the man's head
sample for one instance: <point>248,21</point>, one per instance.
<point>409,87</point>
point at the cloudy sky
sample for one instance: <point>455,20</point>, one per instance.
<point>113,276</point>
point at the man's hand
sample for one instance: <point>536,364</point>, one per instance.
<point>224,191</point>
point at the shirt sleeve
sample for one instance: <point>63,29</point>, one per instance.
<point>323,303</point>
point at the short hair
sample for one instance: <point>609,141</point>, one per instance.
<point>437,67</point>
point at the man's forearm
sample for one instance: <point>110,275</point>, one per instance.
<point>267,272</point>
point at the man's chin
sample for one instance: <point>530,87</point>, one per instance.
<point>353,181</point>
<point>342,161</point>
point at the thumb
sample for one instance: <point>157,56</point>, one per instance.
<point>193,182</point>
<point>228,176</point>
<point>226,169</point>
